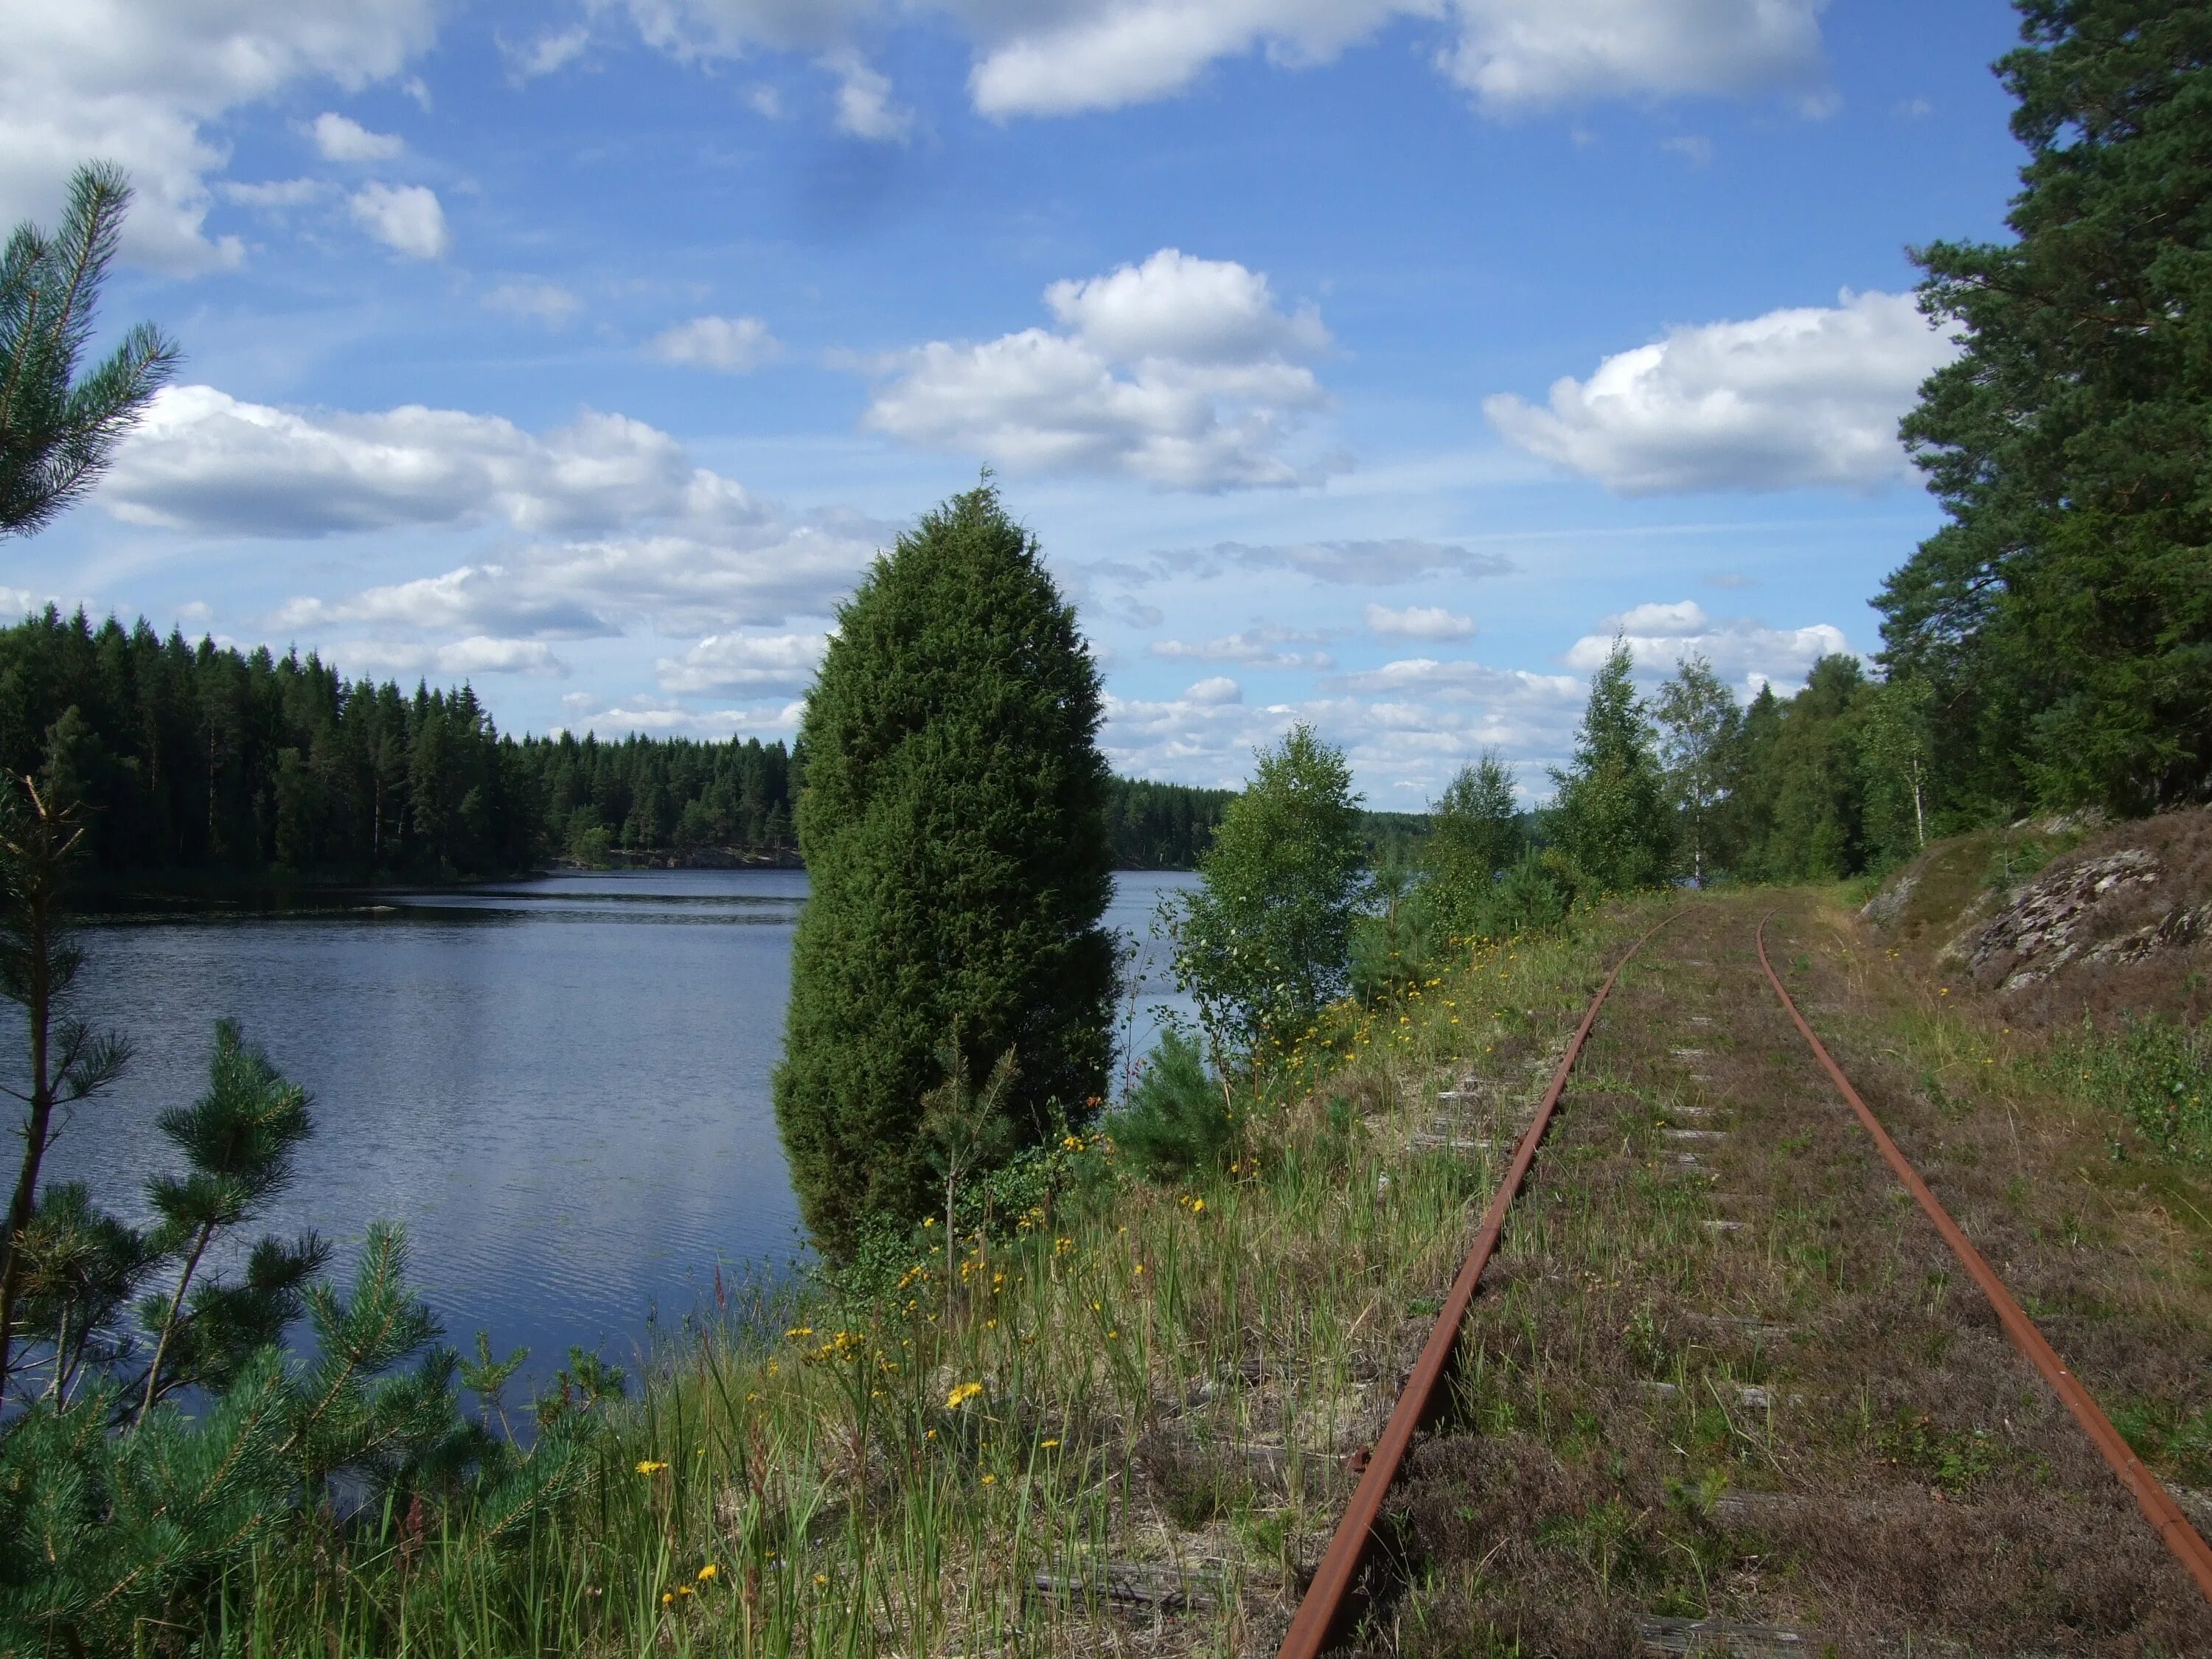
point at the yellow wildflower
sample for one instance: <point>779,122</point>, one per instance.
<point>961,1394</point>
<point>710,1571</point>
<point>651,1466</point>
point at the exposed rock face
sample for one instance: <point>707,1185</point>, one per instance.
<point>2054,920</point>
<point>2117,927</point>
<point>1884,908</point>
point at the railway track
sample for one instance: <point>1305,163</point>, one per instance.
<point>1701,1230</point>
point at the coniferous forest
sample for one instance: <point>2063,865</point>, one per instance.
<point>196,760</point>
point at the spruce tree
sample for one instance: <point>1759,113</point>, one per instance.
<point>953,825</point>
<point>1610,817</point>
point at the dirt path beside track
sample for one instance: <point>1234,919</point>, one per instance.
<point>1725,1390</point>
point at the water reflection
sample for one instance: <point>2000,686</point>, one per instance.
<point>561,1086</point>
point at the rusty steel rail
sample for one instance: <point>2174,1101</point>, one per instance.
<point>1332,1582</point>
<point>2158,1506</point>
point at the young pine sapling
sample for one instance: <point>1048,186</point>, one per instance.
<point>238,1139</point>
<point>964,1128</point>
<point>70,1062</point>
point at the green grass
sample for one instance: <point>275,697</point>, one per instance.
<point>818,1473</point>
<point>2154,1072</point>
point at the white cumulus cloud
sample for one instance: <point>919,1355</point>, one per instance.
<point>342,139</point>
<point>1804,398</point>
<point>618,526</point>
<point>1260,647</point>
<point>1053,59</point>
<point>546,55</point>
<point>275,195</point>
<point>1515,55</point>
<point>405,218</point>
<point>1060,57</point>
<point>587,713</point>
<point>744,663</point>
<point>734,345</point>
<point>1660,635</point>
<point>144,82</point>
<point>206,461</point>
<point>1413,723</point>
<point>673,584</point>
<point>458,659</point>
<point>864,105</point>
<point>1182,372</point>
<point>1419,622</point>
<point>1214,691</point>
<point>1346,563</point>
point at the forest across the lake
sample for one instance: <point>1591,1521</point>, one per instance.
<point>199,762</point>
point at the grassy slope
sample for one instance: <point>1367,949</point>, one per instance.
<point>1167,1377</point>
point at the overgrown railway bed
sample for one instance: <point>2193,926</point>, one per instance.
<point>1724,1387</point>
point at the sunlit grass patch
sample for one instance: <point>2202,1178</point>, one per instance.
<point>959,1448</point>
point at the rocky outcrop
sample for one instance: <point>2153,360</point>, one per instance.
<point>2053,920</point>
<point>2116,923</point>
<point>1887,907</point>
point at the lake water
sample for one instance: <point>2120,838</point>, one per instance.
<point>560,1086</point>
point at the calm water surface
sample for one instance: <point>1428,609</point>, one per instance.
<point>560,1086</point>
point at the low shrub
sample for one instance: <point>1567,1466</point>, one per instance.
<point>2154,1072</point>
<point>1398,948</point>
<point>1533,896</point>
<point>1176,1121</point>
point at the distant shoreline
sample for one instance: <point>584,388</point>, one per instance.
<point>108,897</point>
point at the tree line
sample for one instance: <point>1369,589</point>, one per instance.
<point>2057,631</point>
<point>193,760</point>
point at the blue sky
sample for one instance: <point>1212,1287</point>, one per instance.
<point>1365,361</point>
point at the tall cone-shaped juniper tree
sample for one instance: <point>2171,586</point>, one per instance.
<point>953,825</point>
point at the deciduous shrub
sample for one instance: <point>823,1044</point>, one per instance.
<point>1265,941</point>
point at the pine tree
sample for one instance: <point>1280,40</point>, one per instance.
<point>237,1141</point>
<point>67,1061</point>
<point>58,431</point>
<point>953,826</point>
<point>1610,816</point>
<point>2064,613</point>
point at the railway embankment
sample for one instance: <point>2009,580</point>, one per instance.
<point>1726,1388</point>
